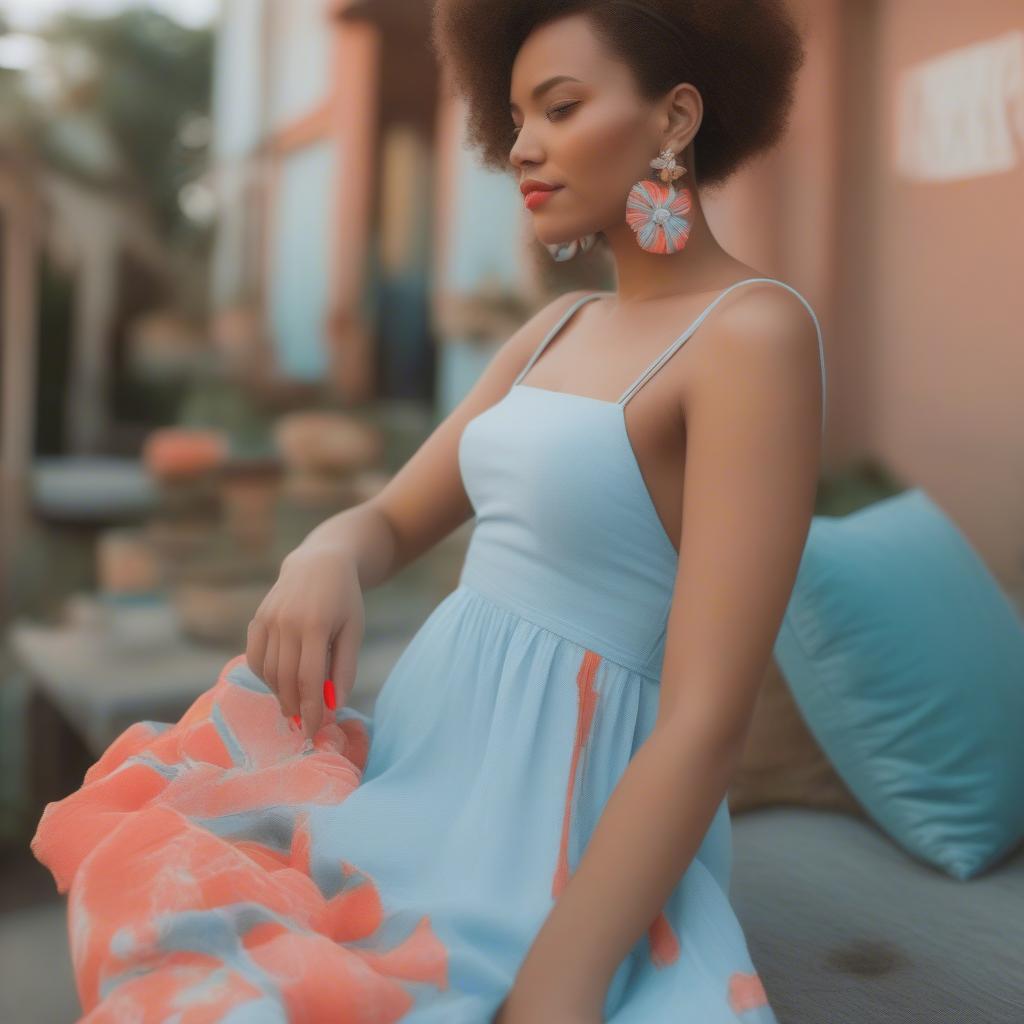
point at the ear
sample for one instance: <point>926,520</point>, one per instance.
<point>684,110</point>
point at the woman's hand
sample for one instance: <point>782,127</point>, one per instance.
<point>306,633</point>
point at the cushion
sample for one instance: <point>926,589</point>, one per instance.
<point>845,928</point>
<point>782,762</point>
<point>906,660</point>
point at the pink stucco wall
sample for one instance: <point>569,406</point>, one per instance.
<point>916,277</point>
<point>943,321</point>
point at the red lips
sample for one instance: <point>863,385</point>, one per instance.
<point>536,195</point>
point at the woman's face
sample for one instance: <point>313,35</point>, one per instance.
<point>590,132</point>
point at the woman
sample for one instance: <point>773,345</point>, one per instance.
<point>533,825</point>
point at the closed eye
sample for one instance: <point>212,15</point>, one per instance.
<point>554,110</point>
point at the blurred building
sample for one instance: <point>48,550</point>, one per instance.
<point>77,262</point>
<point>336,160</point>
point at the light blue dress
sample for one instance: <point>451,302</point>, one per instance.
<point>401,869</point>
<point>507,721</point>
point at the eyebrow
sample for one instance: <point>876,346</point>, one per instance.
<point>547,84</point>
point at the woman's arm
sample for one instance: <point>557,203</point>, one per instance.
<point>309,627</point>
<point>752,462</point>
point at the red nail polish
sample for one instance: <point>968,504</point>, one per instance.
<point>329,696</point>
<point>297,719</point>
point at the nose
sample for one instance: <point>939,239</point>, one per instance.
<point>524,152</point>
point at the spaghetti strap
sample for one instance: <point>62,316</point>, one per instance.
<point>656,364</point>
<point>553,331</point>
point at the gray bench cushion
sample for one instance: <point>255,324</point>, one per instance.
<point>844,927</point>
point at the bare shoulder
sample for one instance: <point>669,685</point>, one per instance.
<point>763,344</point>
<point>762,324</point>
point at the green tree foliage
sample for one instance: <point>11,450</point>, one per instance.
<point>148,86</point>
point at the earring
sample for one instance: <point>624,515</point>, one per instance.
<point>657,212</point>
<point>562,251</point>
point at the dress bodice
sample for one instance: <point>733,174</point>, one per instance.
<point>566,531</point>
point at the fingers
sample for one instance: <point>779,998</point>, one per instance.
<point>288,651</point>
<point>308,674</point>
<point>312,659</point>
<point>344,657</point>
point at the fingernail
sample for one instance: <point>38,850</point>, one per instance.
<point>297,719</point>
<point>329,697</point>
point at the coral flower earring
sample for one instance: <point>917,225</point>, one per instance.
<point>656,212</point>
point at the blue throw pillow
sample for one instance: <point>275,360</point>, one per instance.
<point>906,660</point>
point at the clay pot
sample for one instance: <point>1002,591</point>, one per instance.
<point>248,495</point>
<point>181,453</point>
<point>327,442</point>
<point>126,563</point>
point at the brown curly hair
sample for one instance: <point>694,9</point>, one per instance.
<point>741,55</point>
